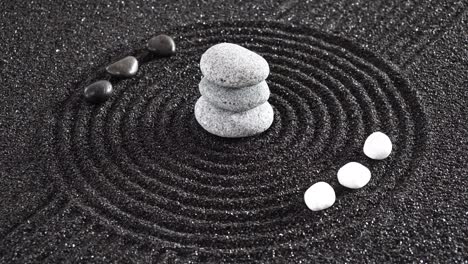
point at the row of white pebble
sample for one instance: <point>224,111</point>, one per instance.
<point>353,175</point>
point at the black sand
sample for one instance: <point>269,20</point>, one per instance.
<point>137,179</point>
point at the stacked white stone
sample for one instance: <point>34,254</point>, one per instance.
<point>234,92</point>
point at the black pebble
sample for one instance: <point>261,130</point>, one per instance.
<point>162,45</point>
<point>98,92</point>
<point>126,67</point>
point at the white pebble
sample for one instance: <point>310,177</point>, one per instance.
<point>354,175</point>
<point>378,146</point>
<point>319,196</point>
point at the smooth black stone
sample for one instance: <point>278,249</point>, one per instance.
<point>126,67</point>
<point>98,92</point>
<point>162,45</point>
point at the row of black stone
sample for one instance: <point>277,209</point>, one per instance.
<point>101,90</point>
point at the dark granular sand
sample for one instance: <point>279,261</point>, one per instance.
<point>138,180</point>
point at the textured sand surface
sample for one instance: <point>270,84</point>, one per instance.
<point>138,180</point>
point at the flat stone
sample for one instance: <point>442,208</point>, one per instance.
<point>354,175</point>
<point>126,67</point>
<point>377,146</point>
<point>98,92</point>
<point>231,65</point>
<point>230,124</point>
<point>319,196</point>
<point>236,100</point>
<point>162,45</point>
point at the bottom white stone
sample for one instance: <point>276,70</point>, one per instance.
<point>319,196</point>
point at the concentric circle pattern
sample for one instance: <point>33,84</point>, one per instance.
<point>142,162</point>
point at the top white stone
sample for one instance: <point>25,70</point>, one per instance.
<point>319,196</point>
<point>377,146</point>
<point>231,65</point>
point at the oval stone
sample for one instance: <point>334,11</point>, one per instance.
<point>162,45</point>
<point>230,124</point>
<point>126,67</point>
<point>319,196</point>
<point>377,146</point>
<point>231,65</point>
<point>236,100</point>
<point>354,175</point>
<point>98,92</point>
